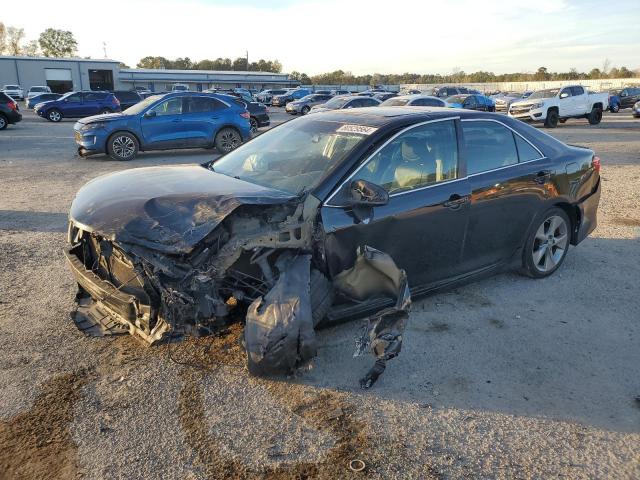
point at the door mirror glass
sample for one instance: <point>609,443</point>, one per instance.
<point>564,95</point>
<point>365,193</point>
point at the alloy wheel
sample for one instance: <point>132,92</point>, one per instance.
<point>550,243</point>
<point>3,122</point>
<point>54,116</point>
<point>254,125</point>
<point>123,146</point>
<point>229,139</point>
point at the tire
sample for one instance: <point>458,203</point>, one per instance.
<point>595,117</point>
<point>552,119</point>
<point>104,111</point>
<point>305,110</point>
<point>54,115</point>
<point>122,146</point>
<point>254,125</point>
<point>227,139</point>
<point>614,108</point>
<point>321,294</point>
<point>3,122</point>
<point>547,244</point>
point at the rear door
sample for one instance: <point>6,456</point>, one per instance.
<point>423,225</point>
<point>162,125</point>
<point>201,119</point>
<point>509,179</point>
<point>580,100</point>
<point>92,102</point>
<point>566,104</point>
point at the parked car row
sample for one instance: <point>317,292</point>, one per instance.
<point>623,98</point>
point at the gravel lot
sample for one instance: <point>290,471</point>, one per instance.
<point>506,378</point>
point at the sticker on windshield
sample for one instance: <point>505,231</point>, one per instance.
<point>362,129</point>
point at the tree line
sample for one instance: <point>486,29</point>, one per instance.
<point>50,43</point>
<point>224,64</point>
<point>341,77</point>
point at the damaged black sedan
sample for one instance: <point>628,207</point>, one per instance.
<point>337,215</point>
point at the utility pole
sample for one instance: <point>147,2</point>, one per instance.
<point>247,52</point>
<point>104,48</point>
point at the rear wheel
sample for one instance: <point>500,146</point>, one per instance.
<point>547,244</point>
<point>614,108</point>
<point>54,115</point>
<point>254,125</point>
<point>3,122</point>
<point>227,139</point>
<point>122,146</point>
<point>595,116</point>
<point>552,119</point>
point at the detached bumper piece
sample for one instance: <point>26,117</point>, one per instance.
<point>373,275</point>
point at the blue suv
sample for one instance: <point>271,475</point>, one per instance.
<point>162,122</point>
<point>78,104</point>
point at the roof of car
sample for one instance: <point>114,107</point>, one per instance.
<point>379,116</point>
<point>414,96</point>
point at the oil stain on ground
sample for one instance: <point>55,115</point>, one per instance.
<point>37,443</point>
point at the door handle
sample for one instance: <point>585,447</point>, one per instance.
<point>543,176</point>
<point>456,201</point>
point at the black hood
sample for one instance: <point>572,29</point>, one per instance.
<point>170,209</point>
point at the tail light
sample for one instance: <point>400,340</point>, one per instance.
<point>116,101</point>
<point>245,115</point>
<point>595,163</point>
<point>13,106</point>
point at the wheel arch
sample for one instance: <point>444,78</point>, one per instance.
<point>598,105</point>
<point>573,212</point>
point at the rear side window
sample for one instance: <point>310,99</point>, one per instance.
<point>94,96</point>
<point>487,146</point>
<point>525,151</point>
<point>4,97</point>
<point>203,104</point>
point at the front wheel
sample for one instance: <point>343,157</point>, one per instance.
<point>547,244</point>
<point>122,146</point>
<point>3,122</point>
<point>305,110</point>
<point>595,116</point>
<point>227,139</point>
<point>552,119</point>
<point>614,108</point>
<point>54,115</point>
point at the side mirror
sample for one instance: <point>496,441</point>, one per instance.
<point>150,114</point>
<point>367,194</point>
<point>564,95</point>
<point>624,94</point>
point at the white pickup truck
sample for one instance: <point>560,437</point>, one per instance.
<point>555,105</point>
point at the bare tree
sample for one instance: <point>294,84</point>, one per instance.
<point>3,38</point>
<point>14,37</point>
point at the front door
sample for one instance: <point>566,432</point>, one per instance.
<point>162,126</point>
<point>73,105</point>
<point>509,179</point>
<point>423,225</point>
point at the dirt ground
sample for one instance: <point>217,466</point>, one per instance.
<point>505,378</point>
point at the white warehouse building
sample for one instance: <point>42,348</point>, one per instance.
<point>72,74</point>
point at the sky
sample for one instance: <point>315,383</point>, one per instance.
<point>357,36</point>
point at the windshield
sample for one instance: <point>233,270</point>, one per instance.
<point>337,102</point>
<point>179,88</point>
<point>307,98</point>
<point>548,93</point>
<point>12,87</point>
<point>141,106</point>
<point>293,157</point>
<point>395,102</point>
